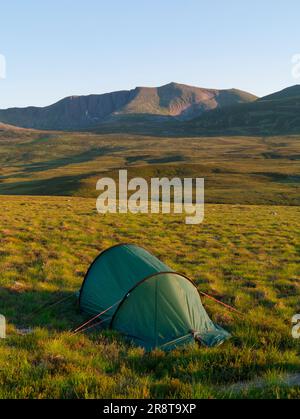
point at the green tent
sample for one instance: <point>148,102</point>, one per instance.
<point>145,300</point>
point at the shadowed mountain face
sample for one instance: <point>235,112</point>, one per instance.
<point>74,112</point>
<point>288,93</point>
<point>278,113</point>
<point>172,101</point>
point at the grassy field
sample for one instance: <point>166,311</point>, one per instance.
<point>247,256</point>
<point>69,164</point>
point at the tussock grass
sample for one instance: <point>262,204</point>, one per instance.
<point>247,256</point>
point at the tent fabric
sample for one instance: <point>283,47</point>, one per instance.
<point>158,307</point>
<point>114,272</point>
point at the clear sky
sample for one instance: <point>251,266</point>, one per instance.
<point>57,48</point>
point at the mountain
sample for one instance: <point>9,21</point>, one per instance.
<point>186,110</point>
<point>169,102</point>
<point>73,112</point>
<point>278,113</point>
<point>181,101</point>
<point>288,93</point>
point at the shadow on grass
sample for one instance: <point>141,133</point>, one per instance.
<point>51,310</point>
<point>217,366</point>
<point>59,186</point>
<point>86,156</point>
<point>192,364</point>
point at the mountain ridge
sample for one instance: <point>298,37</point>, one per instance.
<point>287,93</point>
<point>173,100</point>
<point>278,113</point>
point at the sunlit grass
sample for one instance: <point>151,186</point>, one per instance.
<point>243,170</point>
<point>246,256</point>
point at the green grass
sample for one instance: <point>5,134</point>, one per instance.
<point>37,163</point>
<point>246,253</point>
<point>247,256</point>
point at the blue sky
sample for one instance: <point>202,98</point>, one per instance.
<point>59,48</point>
